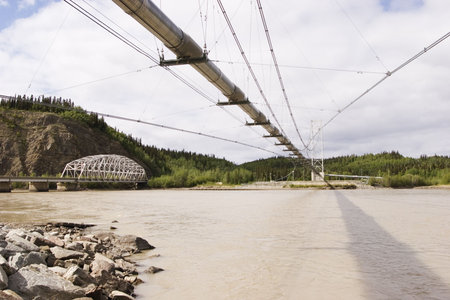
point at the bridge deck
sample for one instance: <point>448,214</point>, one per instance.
<point>64,179</point>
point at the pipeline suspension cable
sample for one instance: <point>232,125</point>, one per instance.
<point>100,79</point>
<point>305,67</point>
<point>361,35</point>
<point>388,74</point>
<point>277,68</point>
<point>238,43</point>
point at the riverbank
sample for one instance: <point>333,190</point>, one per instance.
<point>286,185</point>
<point>63,261</point>
<point>308,185</point>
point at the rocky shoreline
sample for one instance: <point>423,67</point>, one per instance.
<point>61,261</point>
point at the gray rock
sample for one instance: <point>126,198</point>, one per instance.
<point>108,283</point>
<point>133,243</point>
<point>55,240</point>
<point>21,242</point>
<point>125,266</point>
<point>18,232</point>
<point>34,258</point>
<point>63,254</point>
<point>98,266</point>
<point>3,279</point>
<point>3,261</point>
<point>20,260</point>
<point>153,270</point>
<point>67,239</point>
<point>76,246</point>
<point>78,276</point>
<point>39,280</point>
<point>131,279</point>
<point>40,240</point>
<point>9,295</point>
<point>118,295</point>
<point>91,246</point>
<point>16,262</point>
<point>88,238</point>
<point>99,256</point>
<point>58,270</point>
<point>11,249</point>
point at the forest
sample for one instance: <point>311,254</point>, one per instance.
<point>170,169</point>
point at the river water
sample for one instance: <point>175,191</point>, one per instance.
<point>283,244</point>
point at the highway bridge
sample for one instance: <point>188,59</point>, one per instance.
<point>108,168</point>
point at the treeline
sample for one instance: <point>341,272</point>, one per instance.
<point>277,169</point>
<point>40,103</point>
<point>186,173</point>
<point>396,170</point>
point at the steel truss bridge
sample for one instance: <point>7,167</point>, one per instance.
<point>108,168</point>
<point>104,168</point>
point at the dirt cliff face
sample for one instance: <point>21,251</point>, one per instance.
<point>43,143</point>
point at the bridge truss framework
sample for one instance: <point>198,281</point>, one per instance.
<point>105,167</point>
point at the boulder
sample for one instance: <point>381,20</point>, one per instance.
<point>9,295</point>
<point>76,246</point>
<point>133,279</point>
<point>133,243</point>
<point>118,295</point>
<point>34,258</point>
<point>19,232</point>
<point>125,266</point>
<point>153,270</point>
<point>20,260</point>
<point>3,279</point>
<point>98,266</point>
<point>55,241</point>
<point>92,246</point>
<point>78,276</point>
<point>39,280</point>
<point>11,250</point>
<point>58,270</point>
<point>21,242</point>
<point>16,262</point>
<point>108,283</point>
<point>95,292</point>
<point>4,264</point>
<point>99,256</point>
<point>40,240</point>
<point>61,253</point>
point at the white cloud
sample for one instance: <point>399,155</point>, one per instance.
<point>25,4</point>
<point>4,3</point>
<point>408,112</point>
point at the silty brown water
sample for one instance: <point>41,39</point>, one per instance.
<point>360,244</point>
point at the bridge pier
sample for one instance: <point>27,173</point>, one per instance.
<point>5,187</point>
<point>38,186</point>
<point>314,176</point>
<point>67,186</point>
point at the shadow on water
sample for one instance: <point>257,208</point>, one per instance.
<point>389,268</point>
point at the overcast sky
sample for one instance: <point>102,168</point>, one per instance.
<point>329,51</point>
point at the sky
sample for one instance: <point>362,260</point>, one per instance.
<point>329,53</point>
